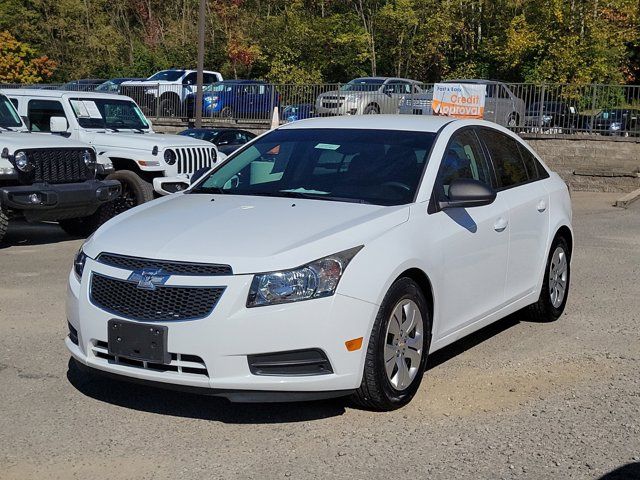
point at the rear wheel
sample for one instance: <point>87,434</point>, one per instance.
<point>169,107</point>
<point>4,223</point>
<point>372,109</point>
<point>555,287</point>
<point>512,121</point>
<point>135,191</point>
<point>397,351</point>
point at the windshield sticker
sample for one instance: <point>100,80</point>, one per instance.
<point>93,110</point>
<point>79,108</point>
<point>327,146</point>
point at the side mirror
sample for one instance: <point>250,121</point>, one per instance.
<point>466,193</point>
<point>198,174</point>
<point>58,125</point>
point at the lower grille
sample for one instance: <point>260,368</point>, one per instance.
<point>331,105</point>
<point>164,303</point>
<point>193,159</point>
<point>180,363</point>
<point>292,363</point>
<point>63,165</point>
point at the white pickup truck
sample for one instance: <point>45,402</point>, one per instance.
<point>147,164</point>
<point>48,178</point>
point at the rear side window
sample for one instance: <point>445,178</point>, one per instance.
<point>534,168</point>
<point>41,111</point>
<point>506,157</point>
<point>464,159</point>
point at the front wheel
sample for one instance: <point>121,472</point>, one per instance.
<point>372,109</point>
<point>398,347</point>
<point>85,226</point>
<point>4,223</point>
<point>555,287</point>
<point>135,191</point>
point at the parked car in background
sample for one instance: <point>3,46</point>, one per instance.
<point>49,178</point>
<point>165,92</point>
<point>366,95</point>
<point>299,111</point>
<point>113,85</point>
<point>147,164</point>
<point>226,139</point>
<point>552,117</point>
<point>618,121</point>
<point>502,106</point>
<point>83,85</point>
<point>248,99</point>
<point>330,258</point>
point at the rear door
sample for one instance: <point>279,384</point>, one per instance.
<point>520,180</point>
<point>474,241</point>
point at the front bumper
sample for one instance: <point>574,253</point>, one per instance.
<point>229,335</point>
<point>43,201</point>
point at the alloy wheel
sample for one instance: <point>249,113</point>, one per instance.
<point>558,275</point>
<point>403,347</point>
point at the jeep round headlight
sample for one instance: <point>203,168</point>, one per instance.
<point>22,162</point>
<point>170,157</point>
<point>89,159</point>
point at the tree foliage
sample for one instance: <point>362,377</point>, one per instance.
<point>298,41</point>
<point>20,64</point>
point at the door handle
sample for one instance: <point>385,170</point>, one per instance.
<point>542,206</point>
<point>501,224</point>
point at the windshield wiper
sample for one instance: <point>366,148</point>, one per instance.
<point>209,190</point>
<point>6,128</point>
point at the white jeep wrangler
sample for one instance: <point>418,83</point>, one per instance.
<point>164,93</point>
<point>145,163</point>
<point>48,178</point>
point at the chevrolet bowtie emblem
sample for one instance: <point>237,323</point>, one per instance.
<point>148,279</point>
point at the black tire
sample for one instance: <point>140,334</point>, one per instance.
<point>85,226</point>
<point>544,310</point>
<point>135,191</point>
<point>513,120</point>
<point>372,109</point>
<point>376,391</point>
<point>169,107</point>
<point>4,223</point>
<point>226,113</point>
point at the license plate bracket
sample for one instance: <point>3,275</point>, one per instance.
<point>138,341</point>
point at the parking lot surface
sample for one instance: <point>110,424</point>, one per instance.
<point>516,400</point>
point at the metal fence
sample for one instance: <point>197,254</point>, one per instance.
<point>602,110</point>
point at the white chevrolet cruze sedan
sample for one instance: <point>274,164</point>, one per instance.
<point>327,257</point>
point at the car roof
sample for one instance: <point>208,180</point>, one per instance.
<point>417,123</point>
<point>242,81</point>
<point>480,81</point>
<point>384,79</point>
<point>39,92</point>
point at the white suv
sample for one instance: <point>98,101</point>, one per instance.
<point>328,257</point>
<point>145,163</point>
<point>164,93</point>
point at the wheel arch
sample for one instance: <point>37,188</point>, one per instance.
<point>565,232</point>
<point>424,282</point>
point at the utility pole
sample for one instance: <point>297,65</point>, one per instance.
<point>200,78</point>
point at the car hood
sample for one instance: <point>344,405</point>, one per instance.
<point>252,234</point>
<point>20,140</point>
<point>145,141</point>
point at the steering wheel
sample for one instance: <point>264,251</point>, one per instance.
<point>399,185</point>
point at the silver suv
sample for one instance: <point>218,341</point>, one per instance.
<point>501,105</point>
<point>367,95</point>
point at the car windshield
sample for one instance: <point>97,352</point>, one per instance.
<point>8,115</point>
<point>167,75</point>
<point>362,85</point>
<point>108,113</point>
<point>207,135</point>
<point>613,115</point>
<point>382,167</point>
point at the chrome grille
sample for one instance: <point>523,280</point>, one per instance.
<point>164,303</point>
<point>194,158</point>
<point>168,267</point>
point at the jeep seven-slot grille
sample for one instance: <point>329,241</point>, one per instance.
<point>192,159</point>
<point>163,303</point>
<point>64,165</point>
<point>168,267</point>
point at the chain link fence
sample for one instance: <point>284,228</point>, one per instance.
<point>597,110</point>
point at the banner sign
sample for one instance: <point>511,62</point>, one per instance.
<point>461,100</point>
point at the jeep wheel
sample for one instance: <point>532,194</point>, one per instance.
<point>168,107</point>
<point>397,349</point>
<point>4,223</point>
<point>372,109</point>
<point>85,226</point>
<point>135,191</point>
<point>512,121</point>
<point>226,113</point>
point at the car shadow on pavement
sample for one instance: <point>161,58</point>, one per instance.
<point>188,405</point>
<point>22,233</point>
<point>630,471</point>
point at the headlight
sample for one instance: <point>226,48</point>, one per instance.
<point>22,162</point>
<point>170,157</point>
<point>351,99</point>
<point>314,280</point>
<point>89,159</point>
<point>616,126</point>
<point>547,118</point>
<point>78,263</point>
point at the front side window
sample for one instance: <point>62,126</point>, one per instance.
<point>8,115</point>
<point>506,158</point>
<point>108,113</point>
<point>40,113</point>
<point>364,166</point>
<point>464,158</point>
